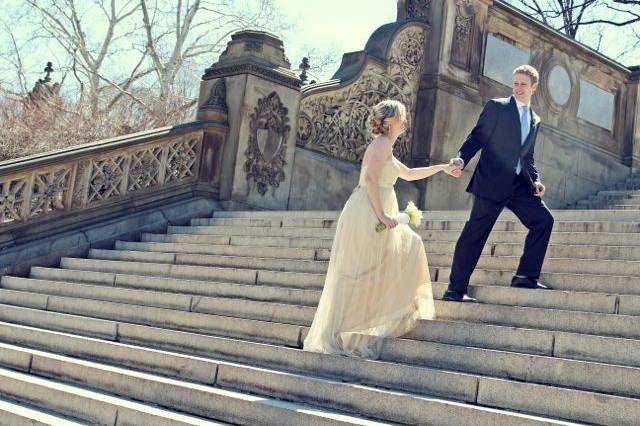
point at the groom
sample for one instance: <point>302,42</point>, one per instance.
<point>505,176</point>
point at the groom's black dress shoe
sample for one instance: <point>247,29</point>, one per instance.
<point>528,283</point>
<point>454,296</point>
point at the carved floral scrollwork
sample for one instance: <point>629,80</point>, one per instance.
<point>269,130</point>
<point>335,122</point>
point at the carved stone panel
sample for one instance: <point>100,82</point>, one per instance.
<point>144,169</point>
<point>12,198</point>
<point>335,122</point>
<point>463,34</point>
<point>49,191</point>
<point>267,146</point>
<point>106,178</point>
<point>182,157</point>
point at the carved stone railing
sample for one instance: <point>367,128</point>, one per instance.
<point>60,187</point>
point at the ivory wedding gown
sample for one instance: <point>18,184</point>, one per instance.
<point>377,284</point>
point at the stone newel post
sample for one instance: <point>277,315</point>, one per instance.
<point>261,97</point>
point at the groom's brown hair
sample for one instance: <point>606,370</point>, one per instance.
<point>528,70</point>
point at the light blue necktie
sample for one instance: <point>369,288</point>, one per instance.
<point>524,131</point>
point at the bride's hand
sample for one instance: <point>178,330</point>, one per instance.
<point>454,171</point>
<point>388,220</point>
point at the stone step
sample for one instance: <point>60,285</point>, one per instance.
<point>216,399</point>
<point>173,285</point>
<point>309,388</point>
<point>223,250</point>
<point>635,206</point>
<point>613,325</point>
<point>272,332</point>
<point>93,407</point>
<point>322,253</point>
<point>501,225</point>
<point>16,414</point>
<point>581,301</point>
<point>241,308</point>
<point>559,215</point>
<point>592,283</point>
<point>570,238</point>
<point>268,263</point>
<point>567,282</point>
<point>562,265</point>
<point>558,265</point>
<point>617,325</point>
<point>495,295</point>
<point>200,370</point>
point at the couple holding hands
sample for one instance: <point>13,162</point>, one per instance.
<point>378,284</point>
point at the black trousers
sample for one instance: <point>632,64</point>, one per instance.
<point>530,210</point>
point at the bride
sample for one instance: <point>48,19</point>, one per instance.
<point>378,283</point>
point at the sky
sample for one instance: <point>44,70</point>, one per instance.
<point>318,28</point>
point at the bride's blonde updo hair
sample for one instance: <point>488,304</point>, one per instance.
<point>382,113</point>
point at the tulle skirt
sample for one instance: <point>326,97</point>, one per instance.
<point>377,284</point>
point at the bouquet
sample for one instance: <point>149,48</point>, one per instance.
<point>411,216</point>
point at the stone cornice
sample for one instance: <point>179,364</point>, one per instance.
<point>277,75</point>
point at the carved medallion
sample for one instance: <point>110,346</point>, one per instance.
<point>269,130</point>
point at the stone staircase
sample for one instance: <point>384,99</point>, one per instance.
<point>203,325</point>
<point>624,195</point>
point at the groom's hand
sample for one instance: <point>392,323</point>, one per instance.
<point>539,189</point>
<point>455,167</point>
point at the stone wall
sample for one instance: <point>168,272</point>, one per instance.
<point>585,139</point>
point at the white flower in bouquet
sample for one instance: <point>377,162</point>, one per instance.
<point>411,216</point>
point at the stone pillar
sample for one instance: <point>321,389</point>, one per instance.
<point>262,96</point>
<point>632,128</point>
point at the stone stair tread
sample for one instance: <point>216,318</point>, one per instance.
<point>231,383</point>
<point>95,407</point>
<point>295,314</point>
<point>155,294</point>
<point>110,351</point>
<point>266,293</point>
<point>196,399</point>
<point>18,414</point>
<point>604,251</point>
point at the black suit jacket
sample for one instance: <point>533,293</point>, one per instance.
<point>498,135</point>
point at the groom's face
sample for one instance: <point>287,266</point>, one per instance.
<point>523,87</point>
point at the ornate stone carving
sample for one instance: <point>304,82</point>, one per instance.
<point>335,122</point>
<point>49,191</point>
<point>463,34</point>
<point>269,131</point>
<point>144,169</point>
<point>12,194</point>
<point>106,176</point>
<point>218,97</point>
<point>277,76</point>
<point>420,9</point>
<point>181,159</point>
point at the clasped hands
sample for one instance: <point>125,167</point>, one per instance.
<point>455,169</point>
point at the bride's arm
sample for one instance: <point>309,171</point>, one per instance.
<point>418,173</point>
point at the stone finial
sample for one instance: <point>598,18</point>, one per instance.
<point>257,44</point>
<point>45,89</point>
<point>304,66</point>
